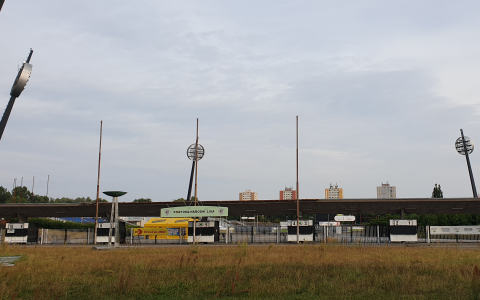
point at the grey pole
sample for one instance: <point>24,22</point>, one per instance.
<point>470,172</point>
<point>298,201</point>
<point>6,115</point>
<point>111,223</point>
<point>17,88</point>
<point>117,231</point>
<point>98,185</point>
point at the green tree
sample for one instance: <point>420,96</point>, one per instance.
<point>39,199</point>
<point>437,192</point>
<point>183,199</point>
<point>76,200</point>
<point>143,200</point>
<point>21,194</point>
<point>5,195</point>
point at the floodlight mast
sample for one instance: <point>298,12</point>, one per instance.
<point>17,88</point>
<point>470,172</point>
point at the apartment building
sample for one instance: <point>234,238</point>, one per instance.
<point>288,194</point>
<point>248,195</point>
<point>334,192</point>
<point>386,191</point>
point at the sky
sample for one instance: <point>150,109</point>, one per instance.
<point>381,90</point>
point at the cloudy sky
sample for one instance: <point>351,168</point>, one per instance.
<point>381,89</point>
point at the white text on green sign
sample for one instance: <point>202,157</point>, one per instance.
<point>194,211</point>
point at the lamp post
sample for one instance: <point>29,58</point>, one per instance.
<point>464,146</point>
<point>115,195</point>
<point>17,88</point>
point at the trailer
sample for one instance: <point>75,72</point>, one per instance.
<point>21,233</point>
<point>104,228</point>
<point>205,231</point>
<point>306,231</point>
<point>403,230</point>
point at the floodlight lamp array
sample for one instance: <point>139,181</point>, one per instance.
<point>461,148</point>
<point>194,154</point>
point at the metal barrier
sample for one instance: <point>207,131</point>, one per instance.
<point>453,234</point>
<point>354,234</point>
<point>351,234</point>
<point>65,236</point>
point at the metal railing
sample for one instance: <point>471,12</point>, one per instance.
<point>355,234</point>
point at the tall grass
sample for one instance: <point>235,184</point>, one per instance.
<point>241,271</point>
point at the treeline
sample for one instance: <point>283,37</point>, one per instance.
<point>431,219</point>
<point>21,194</point>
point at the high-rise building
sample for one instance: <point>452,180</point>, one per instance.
<point>288,194</point>
<point>386,191</point>
<point>248,195</point>
<point>333,192</point>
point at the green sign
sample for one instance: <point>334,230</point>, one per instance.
<point>194,211</point>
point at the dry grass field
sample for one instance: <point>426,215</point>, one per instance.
<point>242,271</point>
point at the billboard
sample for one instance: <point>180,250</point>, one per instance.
<point>194,211</point>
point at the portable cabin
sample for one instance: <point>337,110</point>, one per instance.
<point>104,228</point>
<point>403,230</point>
<point>206,231</point>
<point>306,231</point>
<point>175,227</point>
<point>21,233</point>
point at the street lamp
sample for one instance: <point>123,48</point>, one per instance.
<point>17,88</point>
<point>464,146</point>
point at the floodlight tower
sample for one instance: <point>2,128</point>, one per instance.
<point>17,88</point>
<point>195,152</point>
<point>464,146</point>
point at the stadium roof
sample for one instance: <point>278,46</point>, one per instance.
<point>259,207</point>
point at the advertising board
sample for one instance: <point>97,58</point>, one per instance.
<point>149,231</point>
<point>194,211</point>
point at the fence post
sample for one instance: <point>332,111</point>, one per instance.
<point>378,234</point>
<point>65,241</point>
<point>1,235</point>
<point>427,228</point>
<point>252,235</point>
<point>351,234</point>
<point>278,234</point>
<point>88,236</point>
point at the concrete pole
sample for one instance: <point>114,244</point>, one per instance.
<point>98,184</point>
<point>111,223</point>
<point>117,231</point>
<point>298,196</point>
<point>427,228</point>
